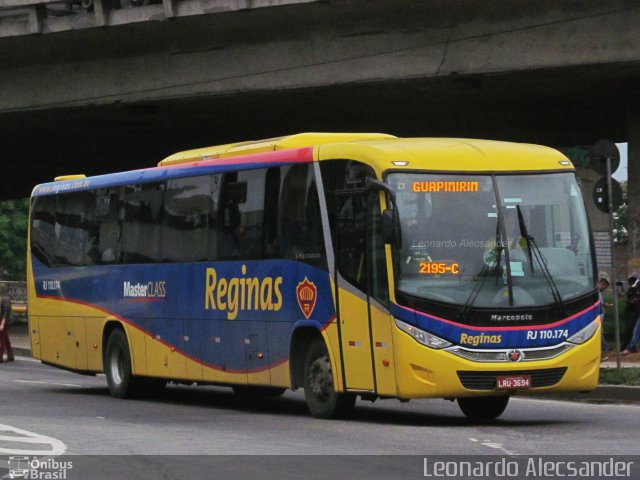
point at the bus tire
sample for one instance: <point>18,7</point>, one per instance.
<point>322,399</point>
<point>248,391</point>
<point>117,367</point>
<point>483,408</point>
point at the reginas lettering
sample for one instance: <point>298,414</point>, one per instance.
<point>476,340</point>
<point>242,293</point>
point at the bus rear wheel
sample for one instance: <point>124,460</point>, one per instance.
<point>322,399</point>
<point>483,408</point>
<point>117,367</point>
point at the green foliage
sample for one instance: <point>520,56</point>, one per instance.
<point>609,317</point>
<point>620,376</point>
<point>14,216</point>
<point>620,219</point>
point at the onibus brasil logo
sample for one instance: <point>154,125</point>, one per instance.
<point>38,469</point>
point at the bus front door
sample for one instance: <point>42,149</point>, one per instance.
<point>352,300</point>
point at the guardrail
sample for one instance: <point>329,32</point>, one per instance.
<point>87,13</point>
<point>24,17</point>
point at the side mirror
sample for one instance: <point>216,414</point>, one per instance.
<point>391,227</point>
<point>387,226</point>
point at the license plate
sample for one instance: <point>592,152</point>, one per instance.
<point>509,382</point>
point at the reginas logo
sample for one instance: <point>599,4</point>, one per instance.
<point>145,291</point>
<point>476,340</point>
<point>242,293</point>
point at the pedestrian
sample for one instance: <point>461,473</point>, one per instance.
<point>635,335</point>
<point>633,308</point>
<point>603,284</point>
<point>5,315</point>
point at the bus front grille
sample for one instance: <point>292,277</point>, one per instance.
<point>487,380</point>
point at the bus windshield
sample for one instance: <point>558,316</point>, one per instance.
<point>492,241</point>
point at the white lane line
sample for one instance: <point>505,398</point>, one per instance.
<point>39,382</point>
<point>56,447</point>
<point>495,445</point>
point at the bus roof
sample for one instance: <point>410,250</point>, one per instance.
<point>449,154</point>
<point>299,140</point>
<point>385,152</point>
<point>382,151</point>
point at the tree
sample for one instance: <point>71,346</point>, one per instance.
<point>620,219</point>
<point>14,216</point>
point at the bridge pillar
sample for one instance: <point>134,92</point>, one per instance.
<point>633,190</point>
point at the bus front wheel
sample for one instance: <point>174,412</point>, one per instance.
<point>322,399</point>
<point>117,366</point>
<point>483,408</point>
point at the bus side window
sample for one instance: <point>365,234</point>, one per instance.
<point>71,229</point>
<point>300,222</point>
<point>187,209</point>
<point>108,227</point>
<point>229,215</point>
<point>347,216</point>
<point>241,215</point>
<point>42,228</point>
<point>272,244</point>
<point>142,224</point>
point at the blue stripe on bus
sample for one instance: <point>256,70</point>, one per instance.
<point>168,302</point>
<point>144,176</point>
<point>498,337</point>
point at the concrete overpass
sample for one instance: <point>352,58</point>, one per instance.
<point>119,88</point>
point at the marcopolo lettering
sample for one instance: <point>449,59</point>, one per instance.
<point>242,293</point>
<point>519,317</point>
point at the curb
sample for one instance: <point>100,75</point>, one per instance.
<point>602,394</point>
<point>22,352</point>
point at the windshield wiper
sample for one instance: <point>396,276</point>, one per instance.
<point>533,251</point>
<point>525,234</point>
<point>483,274</point>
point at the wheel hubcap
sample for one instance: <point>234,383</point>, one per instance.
<point>116,366</point>
<point>320,378</point>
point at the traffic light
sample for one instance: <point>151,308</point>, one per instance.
<point>601,152</point>
<point>601,198</point>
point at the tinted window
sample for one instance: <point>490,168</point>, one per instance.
<point>254,214</point>
<point>301,235</point>
<point>241,214</point>
<point>188,209</point>
<point>43,229</point>
<point>354,217</point>
<point>142,224</point>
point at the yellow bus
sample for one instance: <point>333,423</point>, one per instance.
<point>344,264</point>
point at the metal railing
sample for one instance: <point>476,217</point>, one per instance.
<point>24,17</point>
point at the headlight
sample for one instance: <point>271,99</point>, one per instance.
<point>425,338</point>
<point>585,334</point>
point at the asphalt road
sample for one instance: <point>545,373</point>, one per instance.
<point>46,411</point>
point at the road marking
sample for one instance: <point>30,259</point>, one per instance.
<point>25,437</point>
<point>50,383</point>
<point>495,445</point>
